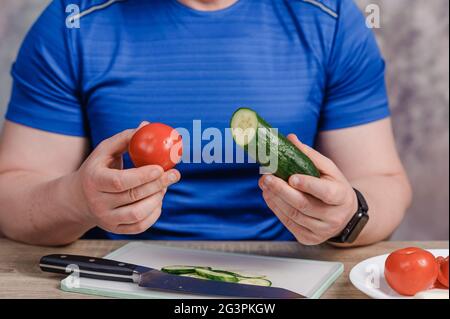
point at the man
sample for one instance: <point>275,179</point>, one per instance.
<point>309,67</point>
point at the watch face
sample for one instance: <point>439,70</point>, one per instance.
<point>356,224</point>
<point>363,218</point>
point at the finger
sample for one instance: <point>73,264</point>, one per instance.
<point>314,225</point>
<point>140,227</point>
<point>323,163</point>
<point>143,123</point>
<point>114,145</point>
<point>280,188</point>
<point>303,202</point>
<point>136,194</point>
<point>117,181</point>
<point>302,234</point>
<point>117,144</point>
<point>137,212</point>
<point>329,192</point>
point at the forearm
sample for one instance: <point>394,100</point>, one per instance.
<point>388,197</point>
<point>39,209</point>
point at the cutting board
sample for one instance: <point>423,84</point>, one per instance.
<point>307,277</point>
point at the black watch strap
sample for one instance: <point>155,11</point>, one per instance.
<point>356,224</point>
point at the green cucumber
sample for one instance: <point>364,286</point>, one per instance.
<point>181,269</point>
<point>239,274</point>
<point>267,146</point>
<point>256,282</point>
<point>214,275</point>
<point>207,275</point>
<point>194,275</point>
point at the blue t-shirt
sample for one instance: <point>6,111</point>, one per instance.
<point>305,66</point>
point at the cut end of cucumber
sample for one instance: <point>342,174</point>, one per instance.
<point>256,282</point>
<point>194,276</point>
<point>213,275</point>
<point>244,124</point>
<point>180,269</point>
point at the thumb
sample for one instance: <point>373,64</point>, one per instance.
<point>323,163</point>
<point>118,144</point>
<point>143,123</point>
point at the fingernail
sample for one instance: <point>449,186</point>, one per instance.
<point>143,123</point>
<point>295,180</point>
<point>267,181</point>
<point>173,178</point>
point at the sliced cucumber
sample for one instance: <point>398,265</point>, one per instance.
<point>238,274</point>
<point>194,275</point>
<point>181,269</point>
<point>267,146</point>
<point>214,275</point>
<point>244,125</point>
<point>207,273</point>
<point>256,282</point>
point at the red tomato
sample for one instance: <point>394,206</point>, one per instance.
<point>156,144</point>
<point>443,271</point>
<point>410,270</point>
<point>438,285</point>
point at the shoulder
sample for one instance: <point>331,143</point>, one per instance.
<point>84,5</point>
<point>316,23</point>
<point>318,8</point>
<point>58,11</point>
<point>334,9</point>
<point>323,23</point>
<point>83,8</point>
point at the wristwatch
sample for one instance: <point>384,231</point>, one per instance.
<point>356,224</point>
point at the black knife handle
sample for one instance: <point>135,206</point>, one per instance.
<point>90,267</point>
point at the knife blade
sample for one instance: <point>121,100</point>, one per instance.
<point>106,269</point>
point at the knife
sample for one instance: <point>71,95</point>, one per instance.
<point>105,269</point>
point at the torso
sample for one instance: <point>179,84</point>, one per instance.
<point>162,62</point>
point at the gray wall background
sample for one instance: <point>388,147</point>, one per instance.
<point>414,38</point>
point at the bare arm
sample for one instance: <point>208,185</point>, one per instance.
<point>368,158</point>
<point>363,157</point>
<point>50,196</point>
<point>36,183</point>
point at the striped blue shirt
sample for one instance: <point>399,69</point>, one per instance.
<point>306,66</point>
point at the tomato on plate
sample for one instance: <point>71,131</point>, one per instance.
<point>156,144</point>
<point>443,271</point>
<point>411,270</point>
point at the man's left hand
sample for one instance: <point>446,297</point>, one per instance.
<point>313,209</point>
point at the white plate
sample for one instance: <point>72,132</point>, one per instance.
<point>368,276</point>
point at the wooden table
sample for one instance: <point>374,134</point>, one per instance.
<point>20,276</point>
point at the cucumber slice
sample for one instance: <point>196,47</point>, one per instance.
<point>256,282</point>
<point>268,146</point>
<point>194,275</point>
<point>214,275</point>
<point>181,269</point>
<point>244,125</point>
<point>239,274</point>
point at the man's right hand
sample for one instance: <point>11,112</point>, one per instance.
<point>120,201</point>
